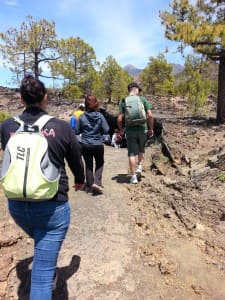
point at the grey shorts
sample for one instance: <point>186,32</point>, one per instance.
<point>136,142</point>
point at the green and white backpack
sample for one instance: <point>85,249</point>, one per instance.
<point>134,111</point>
<point>27,174</point>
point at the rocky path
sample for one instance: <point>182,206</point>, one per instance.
<point>132,243</point>
<point>100,240</point>
<point>99,258</point>
<point>162,239</point>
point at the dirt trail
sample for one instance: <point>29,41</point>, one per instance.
<point>99,257</point>
<point>160,239</point>
<point>119,246</point>
<point>101,235</point>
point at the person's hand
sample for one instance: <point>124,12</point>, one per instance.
<point>119,138</point>
<point>121,132</point>
<point>78,186</point>
<point>150,133</point>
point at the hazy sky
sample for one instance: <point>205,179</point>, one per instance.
<point>129,30</point>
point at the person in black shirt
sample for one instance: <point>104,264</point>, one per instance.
<point>47,221</point>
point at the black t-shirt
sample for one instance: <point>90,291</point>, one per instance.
<point>62,145</point>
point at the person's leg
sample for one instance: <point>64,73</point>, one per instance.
<point>132,147</point>
<point>47,223</point>
<point>19,212</point>
<point>141,150</point>
<point>50,227</point>
<point>88,158</point>
<point>139,167</point>
<point>140,163</point>
<point>140,158</point>
<point>98,154</point>
<point>132,164</point>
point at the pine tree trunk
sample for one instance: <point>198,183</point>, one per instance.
<point>220,117</point>
<point>36,71</point>
<point>153,89</point>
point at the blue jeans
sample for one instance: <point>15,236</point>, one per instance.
<point>47,223</point>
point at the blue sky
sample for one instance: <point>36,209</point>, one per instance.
<point>129,30</point>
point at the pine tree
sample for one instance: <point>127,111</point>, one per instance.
<point>157,77</point>
<point>201,26</point>
<point>114,79</point>
<point>29,48</point>
<point>75,65</point>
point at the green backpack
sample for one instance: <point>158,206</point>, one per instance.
<point>134,111</point>
<point>27,174</point>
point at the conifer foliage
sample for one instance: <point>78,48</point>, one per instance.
<point>157,78</point>
<point>202,26</point>
<point>28,48</point>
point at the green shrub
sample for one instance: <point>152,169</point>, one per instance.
<point>3,116</point>
<point>221,177</point>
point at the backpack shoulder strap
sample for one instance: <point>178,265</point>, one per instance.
<point>42,121</point>
<point>20,122</point>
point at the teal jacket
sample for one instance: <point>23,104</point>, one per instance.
<point>92,125</point>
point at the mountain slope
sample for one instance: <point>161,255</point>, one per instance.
<point>133,71</point>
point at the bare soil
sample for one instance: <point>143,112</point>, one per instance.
<point>160,239</point>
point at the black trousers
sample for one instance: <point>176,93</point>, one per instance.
<point>93,156</point>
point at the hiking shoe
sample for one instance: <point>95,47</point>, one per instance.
<point>87,189</point>
<point>139,170</point>
<point>134,179</point>
<point>97,189</point>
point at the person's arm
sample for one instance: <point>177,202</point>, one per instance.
<point>120,122</point>
<point>78,127</point>
<point>150,123</point>
<point>120,117</point>
<point>74,160</point>
<point>7,128</point>
<point>105,125</point>
<point>149,116</point>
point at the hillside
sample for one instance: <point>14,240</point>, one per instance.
<point>160,239</point>
<point>133,71</point>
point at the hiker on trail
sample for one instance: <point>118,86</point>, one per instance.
<point>138,121</point>
<point>116,139</point>
<point>79,111</point>
<point>75,117</point>
<point>45,220</point>
<point>92,125</point>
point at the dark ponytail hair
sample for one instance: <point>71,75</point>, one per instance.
<point>32,90</point>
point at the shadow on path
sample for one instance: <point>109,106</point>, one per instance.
<point>121,178</point>
<point>63,273</point>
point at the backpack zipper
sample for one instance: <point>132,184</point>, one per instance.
<point>26,173</point>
